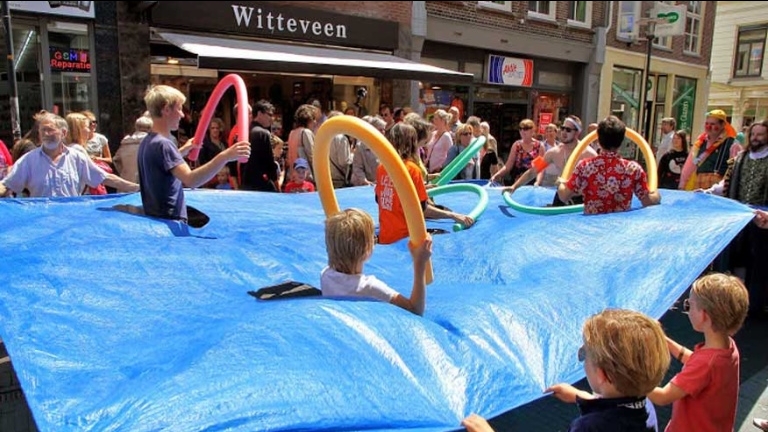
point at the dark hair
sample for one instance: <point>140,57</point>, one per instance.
<point>263,106</point>
<point>305,114</point>
<point>423,127</point>
<point>610,132</point>
<point>684,138</point>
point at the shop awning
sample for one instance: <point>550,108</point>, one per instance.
<point>235,54</point>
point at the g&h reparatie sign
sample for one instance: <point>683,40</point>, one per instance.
<point>70,60</point>
<point>266,20</point>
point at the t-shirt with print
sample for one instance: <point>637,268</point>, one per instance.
<point>162,194</point>
<point>392,224</point>
<point>294,187</point>
<point>337,284</point>
<point>710,379</point>
<point>607,183</point>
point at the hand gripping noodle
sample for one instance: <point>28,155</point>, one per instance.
<point>653,179</point>
<point>459,162</point>
<point>464,187</point>
<point>210,107</point>
<point>348,125</point>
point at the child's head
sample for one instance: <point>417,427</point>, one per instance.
<point>404,138</point>
<point>277,146</point>
<point>161,96</point>
<point>349,238</point>
<point>300,170</point>
<point>720,298</point>
<point>222,177</point>
<point>626,350</point>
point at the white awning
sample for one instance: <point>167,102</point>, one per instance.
<point>236,54</point>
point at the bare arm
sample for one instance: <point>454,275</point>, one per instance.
<point>652,198</point>
<point>120,183</point>
<point>523,179</point>
<point>507,166</point>
<point>563,192</point>
<point>432,212</point>
<point>662,396</point>
<point>106,154</point>
<point>200,176</point>
<point>416,302</point>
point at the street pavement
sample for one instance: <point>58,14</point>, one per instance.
<point>543,415</point>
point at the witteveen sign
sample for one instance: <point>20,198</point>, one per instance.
<point>264,19</point>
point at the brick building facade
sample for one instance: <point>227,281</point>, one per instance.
<point>556,40</point>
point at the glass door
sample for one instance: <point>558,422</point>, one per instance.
<point>27,67</point>
<point>70,61</point>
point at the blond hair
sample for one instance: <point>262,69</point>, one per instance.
<point>724,298</point>
<point>466,127</point>
<point>527,123</point>
<point>276,141</point>
<point>443,115</point>
<point>160,96</point>
<point>348,239</point>
<point>404,139</point>
<point>629,347</point>
<point>75,123</point>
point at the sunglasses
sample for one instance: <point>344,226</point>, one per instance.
<point>466,133</point>
<point>686,305</point>
<point>526,128</point>
<point>567,129</point>
<point>582,354</point>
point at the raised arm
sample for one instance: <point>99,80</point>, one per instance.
<point>200,176</point>
<point>416,302</point>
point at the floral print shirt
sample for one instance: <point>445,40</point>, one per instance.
<point>607,183</point>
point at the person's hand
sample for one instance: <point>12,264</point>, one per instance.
<point>188,146</point>
<point>239,150</point>
<point>510,189</point>
<point>475,423</point>
<point>761,217</point>
<point>465,220</point>
<point>4,191</point>
<point>565,392</point>
<point>422,252</point>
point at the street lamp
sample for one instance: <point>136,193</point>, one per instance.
<point>645,111</point>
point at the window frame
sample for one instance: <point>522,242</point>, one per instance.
<point>687,49</point>
<point>587,23</point>
<point>764,29</point>
<point>551,16</point>
<point>506,7</point>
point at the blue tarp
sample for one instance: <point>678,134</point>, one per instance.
<point>116,322</point>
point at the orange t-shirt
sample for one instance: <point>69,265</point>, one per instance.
<point>392,224</point>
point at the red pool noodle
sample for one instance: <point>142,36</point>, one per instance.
<point>210,108</point>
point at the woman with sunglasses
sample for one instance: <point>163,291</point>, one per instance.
<point>522,153</point>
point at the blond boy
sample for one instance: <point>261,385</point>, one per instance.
<point>625,357</point>
<point>163,172</point>
<point>705,392</point>
<point>349,239</point>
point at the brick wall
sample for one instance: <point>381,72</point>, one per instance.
<point>678,42</point>
<point>398,11</point>
<point>469,11</point>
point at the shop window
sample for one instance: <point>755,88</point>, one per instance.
<point>749,53</point>
<point>683,102</point>
<point>70,62</point>
<point>555,79</point>
<point>505,6</point>
<point>693,27</point>
<point>580,14</point>
<point>542,9</point>
<point>26,41</point>
<point>625,95</point>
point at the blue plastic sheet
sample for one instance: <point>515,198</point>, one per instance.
<point>121,322</point>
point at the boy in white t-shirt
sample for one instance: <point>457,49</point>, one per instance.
<point>349,240</point>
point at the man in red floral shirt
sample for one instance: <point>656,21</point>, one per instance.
<point>608,181</point>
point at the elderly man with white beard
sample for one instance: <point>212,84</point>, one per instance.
<point>55,170</point>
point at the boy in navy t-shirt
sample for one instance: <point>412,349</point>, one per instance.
<point>163,172</point>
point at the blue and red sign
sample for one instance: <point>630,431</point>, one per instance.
<point>510,71</point>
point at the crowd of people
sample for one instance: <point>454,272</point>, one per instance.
<point>625,353</point>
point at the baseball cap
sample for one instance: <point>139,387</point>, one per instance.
<point>301,163</point>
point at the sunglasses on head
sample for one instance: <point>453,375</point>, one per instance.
<point>567,129</point>
<point>686,305</point>
<point>582,354</point>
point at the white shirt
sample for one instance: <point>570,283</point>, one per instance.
<point>67,177</point>
<point>333,283</point>
<point>665,145</point>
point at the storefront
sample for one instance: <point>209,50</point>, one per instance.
<point>288,55</point>
<point>675,89</point>
<point>53,49</point>
<point>506,89</point>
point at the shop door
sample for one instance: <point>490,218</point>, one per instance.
<point>27,67</point>
<point>504,120</point>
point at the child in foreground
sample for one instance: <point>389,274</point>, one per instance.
<point>349,239</point>
<point>625,358</point>
<point>704,394</point>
